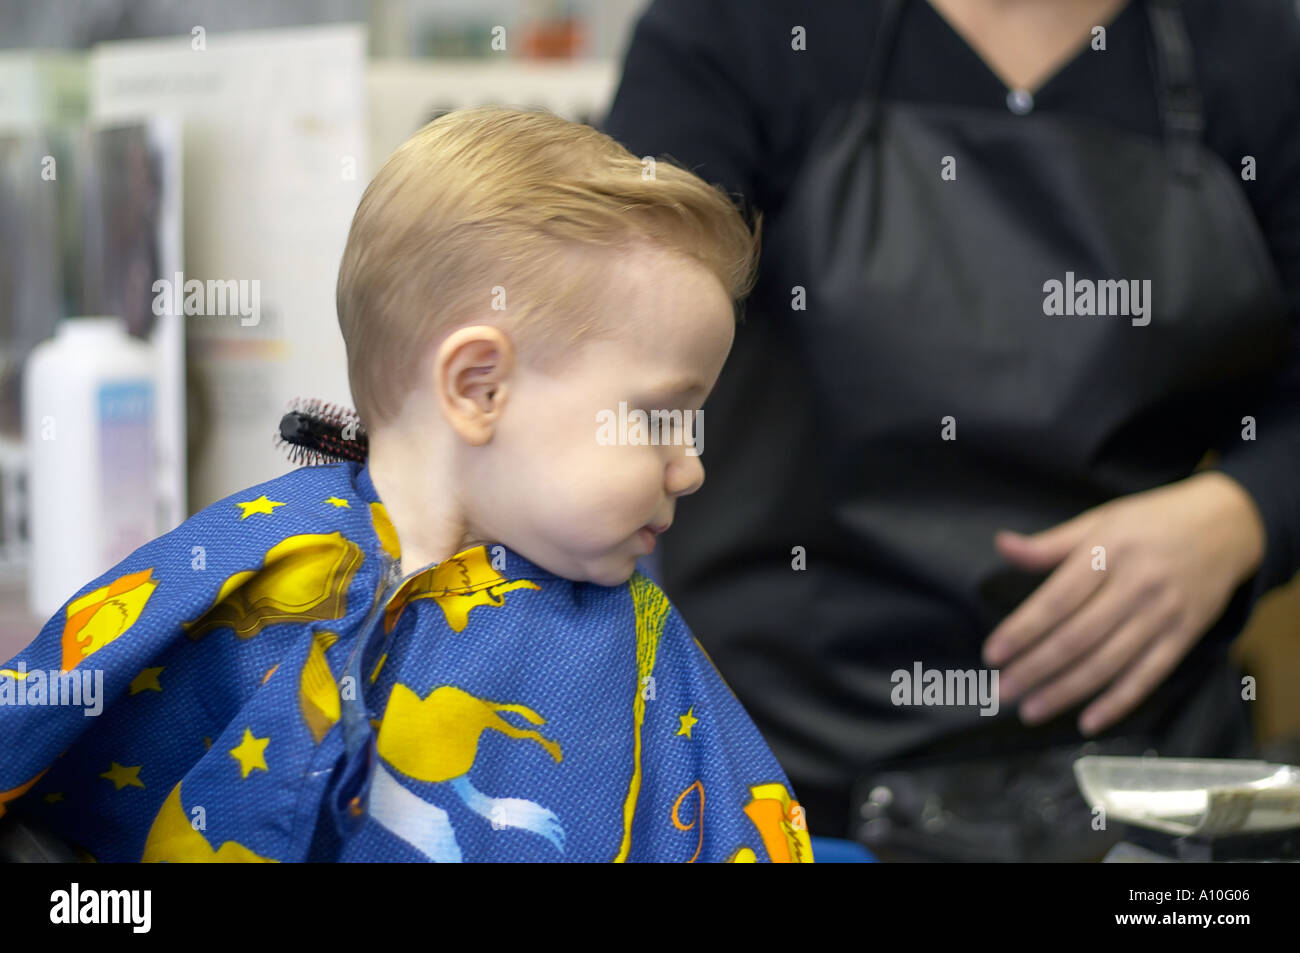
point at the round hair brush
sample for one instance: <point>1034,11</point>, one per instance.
<point>313,433</point>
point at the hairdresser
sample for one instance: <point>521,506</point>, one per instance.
<point>1017,389</point>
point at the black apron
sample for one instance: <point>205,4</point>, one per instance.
<point>925,300</point>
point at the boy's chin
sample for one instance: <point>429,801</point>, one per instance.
<point>611,570</point>
<point>615,577</point>
<point>616,571</point>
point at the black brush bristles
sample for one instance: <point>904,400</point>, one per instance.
<point>313,433</point>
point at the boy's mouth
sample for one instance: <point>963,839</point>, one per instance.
<point>648,534</point>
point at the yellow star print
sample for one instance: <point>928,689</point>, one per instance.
<point>250,753</point>
<point>259,505</point>
<point>688,721</point>
<point>122,776</point>
<point>54,797</point>
<point>337,503</point>
<point>146,681</point>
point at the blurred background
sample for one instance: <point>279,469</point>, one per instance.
<point>226,143</point>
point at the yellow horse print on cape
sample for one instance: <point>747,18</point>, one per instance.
<point>436,739</point>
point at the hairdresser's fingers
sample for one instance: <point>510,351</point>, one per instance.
<point>1111,605</point>
<point>1059,596</point>
<point>1161,656</point>
<point>1100,667</point>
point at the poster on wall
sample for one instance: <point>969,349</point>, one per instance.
<point>273,127</point>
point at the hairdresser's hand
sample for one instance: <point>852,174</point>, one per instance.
<point>1173,557</point>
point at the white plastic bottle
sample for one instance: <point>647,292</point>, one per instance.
<point>88,428</point>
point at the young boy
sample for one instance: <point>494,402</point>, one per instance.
<point>446,653</point>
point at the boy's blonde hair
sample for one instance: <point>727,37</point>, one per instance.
<point>489,201</point>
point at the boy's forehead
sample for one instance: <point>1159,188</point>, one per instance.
<point>667,291</point>
<point>677,355</point>
<point>673,321</point>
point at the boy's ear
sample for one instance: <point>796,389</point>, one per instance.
<point>472,370</point>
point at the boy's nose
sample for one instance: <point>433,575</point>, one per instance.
<point>685,475</point>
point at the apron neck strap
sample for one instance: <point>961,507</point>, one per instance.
<point>1178,95</point>
<point>878,64</point>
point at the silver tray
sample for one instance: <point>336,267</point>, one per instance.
<point>1184,796</point>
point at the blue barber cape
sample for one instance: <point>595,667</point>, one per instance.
<point>260,684</point>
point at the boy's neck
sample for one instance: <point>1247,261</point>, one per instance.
<point>424,514</point>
